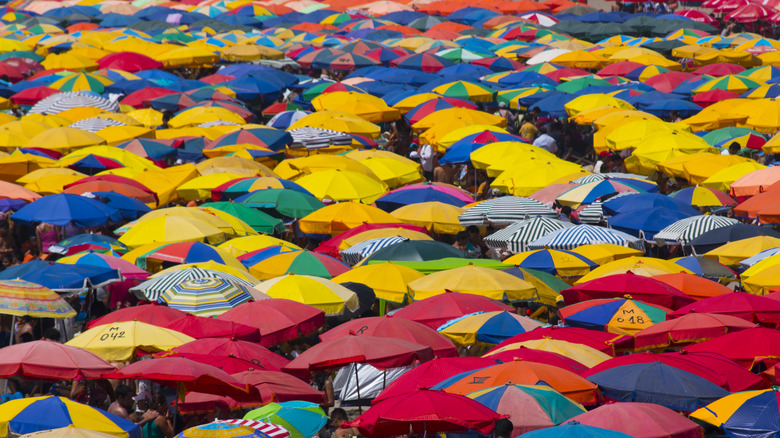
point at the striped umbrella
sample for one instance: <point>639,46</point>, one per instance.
<point>593,213</point>
<point>505,210</point>
<point>517,236</point>
<point>272,430</point>
<point>685,230</point>
<point>58,103</point>
<point>22,298</point>
<point>572,237</point>
<point>95,124</point>
<point>355,254</point>
<point>154,287</point>
<point>318,138</point>
<point>207,296</point>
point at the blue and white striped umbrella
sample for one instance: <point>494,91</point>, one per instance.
<point>517,236</point>
<point>685,230</point>
<point>750,261</point>
<point>354,254</point>
<point>285,119</point>
<point>208,296</point>
<point>572,237</point>
<point>505,210</point>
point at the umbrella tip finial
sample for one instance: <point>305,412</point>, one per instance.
<point>627,296</point>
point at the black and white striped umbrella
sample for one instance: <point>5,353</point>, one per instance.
<point>572,237</point>
<point>318,138</point>
<point>354,254</point>
<point>517,236</point>
<point>505,210</point>
<point>95,124</point>
<point>60,102</point>
<point>152,288</point>
<point>685,230</point>
<point>602,176</point>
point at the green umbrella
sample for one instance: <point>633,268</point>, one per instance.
<point>723,134</point>
<point>431,266</point>
<point>174,36</point>
<point>301,419</point>
<point>600,31</point>
<point>664,47</point>
<point>21,54</point>
<point>259,221</point>
<point>286,202</point>
<point>426,22</point>
<point>461,55</point>
<point>578,84</point>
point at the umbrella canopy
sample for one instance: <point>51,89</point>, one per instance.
<point>752,308</point>
<point>153,314</point>
<point>575,430</point>
<point>328,296</point>
<point>688,329</point>
<point>222,429</point>
<point>744,414</point>
<point>27,416</point>
<point>301,419</point>
<point>283,320</point>
<point>119,341</point>
<point>615,315</point>
<point>742,347</point>
<point>597,340</point>
<point>64,209</point>
<point>638,287</point>
<point>22,298</point>
<point>251,352</point>
<point>564,264</point>
<point>641,420</point>
<point>438,309</point>
<point>207,296</point>
<point>49,360</point>
<point>582,354</point>
<point>486,328</point>
<point>388,280</point>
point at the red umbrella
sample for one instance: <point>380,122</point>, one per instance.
<point>753,308</point>
<point>430,373</point>
<point>381,353</point>
<point>185,374</point>
<point>713,96</point>
<point>561,73</point>
<point>618,286</point>
<point>228,364</point>
<point>282,320</point>
<point>114,179</point>
<point>601,341</point>
<point>640,420</point>
<point>687,329</point>
<point>694,286</point>
<point>216,78</point>
<point>31,96</point>
<point>730,5</point>
<point>397,328</point>
<point>750,13</point>
<point>437,310</point>
<point>331,247</point>
<point>249,351</point>
<point>50,360</point>
<point>154,314</point>
<point>719,69</point>
<point>746,347</point>
<point>136,99</point>
<point>697,16</point>
<point>199,327</point>
<point>128,61</point>
<point>711,366</point>
<point>666,82</point>
<point>425,411</point>
<point>539,356</point>
<point>621,68</point>
<point>106,186</point>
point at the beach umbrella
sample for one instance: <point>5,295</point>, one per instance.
<point>222,428</point>
<point>388,280</point>
<point>742,347</point>
<point>59,277</point>
<point>572,237</point>
<point>438,309</point>
<point>644,266</point>
<point>506,210</point>
<point>516,236</point>
<point>302,419</point>
<point>67,209</point>
<point>435,216</point>
<point>411,250</point>
<point>200,327</point>
<point>720,236</point>
<point>156,256</point>
<point>560,263</point>
<point>475,280</point>
<point>23,298</point>
<point>50,360</point>
<point>423,411</point>
<point>283,320</point>
<point>343,185</point>
<point>703,197</point>
<point>285,201</point>
<point>574,430</point>
<point>694,286</point>
<point>153,314</point>
<point>398,328</point>
<point>582,355</point>
<point>745,251</point>
<point>744,414</point>
<point>605,253</point>
<point>24,416</point>
<point>641,420</point>
<point>276,261</point>
<point>119,341</point>
<point>184,374</point>
<point>685,230</point>
<point>618,315</point>
<point>207,296</point>
<point>597,340</point>
<point>326,295</point>
<point>687,329</point>
<point>483,328</point>
<point>128,270</point>
<point>171,229</point>
<point>224,348</point>
<point>752,308</point>
<point>638,287</point>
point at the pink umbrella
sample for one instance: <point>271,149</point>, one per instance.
<point>640,420</point>
<point>687,329</point>
<point>445,188</point>
<point>697,16</point>
<point>747,347</point>
<point>199,327</point>
<point>750,13</point>
<point>752,308</point>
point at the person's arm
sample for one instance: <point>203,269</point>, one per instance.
<point>330,400</point>
<point>164,423</point>
<point>38,239</point>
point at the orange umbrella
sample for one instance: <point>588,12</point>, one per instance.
<point>525,373</point>
<point>15,191</point>
<point>755,182</point>
<point>694,286</point>
<point>758,203</point>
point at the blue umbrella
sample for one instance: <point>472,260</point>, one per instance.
<point>656,382</point>
<point>64,209</point>
<point>7,204</point>
<point>402,17</point>
<point>644,201</point>
<point>129,208</point>
<point>665,107</point>
<point>220,429</point>
<point>399,198</point>
<point>526,77</point>
<point>575,430</point>
<point>61,277</point>
<point>645,223</point>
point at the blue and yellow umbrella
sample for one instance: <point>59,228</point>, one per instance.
<point>222,430</point>
<point>487,328</point>
<point>744,414</point>
<point>565,264</point>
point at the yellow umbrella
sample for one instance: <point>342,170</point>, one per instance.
<point>505,152</point>
<point>65,139</point>
<point>187,57</point>
<point>127,158</point>
<point>338,121</point>
<point>361,155</point>
<point>165,181</point>
<point>763,115</point>
<point>186,212</point>
<point>437,217</point>
<point>67,117</point>
<point>171,229</point>
<point>527,181</point>
<point>406,104</point>
<point>734,252</point>
<point>340,217</point>
<point>119,341</point>
<point>17,165</point>
<point>676,166</point>
<point>606,252</point>
<point>50,181</point>
<point>662,147</point>
<point>343,185</point>
<point>195,131</point>
<point>631,134</point>
<point>203,114</point>
<point>393,172</point>
<point>566,266</point>
<point>530,159</point>
<point>620,117</point>
<point>249,52</point>
<point>644,266</point>
<point>148,117</point>
<point>582,103</point>
<point>579,59</point>
<point>326,295</point>
<point>298,167</point>
<point>242,245</point>
<point>239,227</point>
<point>68,62</point>
<point>588,356</point>
<point>475,280</point>
<point>366,106</point>
<point>236,165</point>
<point>381,233</point>
<point>723,179</point>
<point>388,280</point>
<point>113,135</point>
<point>450,138</point>
<point>466,116</point>
<point>200,188</point>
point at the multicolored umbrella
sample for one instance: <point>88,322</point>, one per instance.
<point>744,414</point>
<point>208,296</point>
<point>301,419</point>
<point>565,264</point>
<point>22,298</point>
<point>616,315</point>
<point>277,261</point>
<point>487,328</point>
<point>222,430</point>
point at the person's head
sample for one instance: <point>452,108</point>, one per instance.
<point>566,210</point>
<point>124,396</point>
<point>338,417</point>
<point>542,130</point>
<point>462,237</point>
<point>502,105</point>
<point>503,428</point>
<point>159,403</point>
<point>536,111</point>
<point>473,231</point>
<point>674,114</point>
<point>734,148</point>
<point>52,334</point>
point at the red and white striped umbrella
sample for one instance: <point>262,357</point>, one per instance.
<point>269,429</point>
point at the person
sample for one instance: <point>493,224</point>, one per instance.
<point>338,417</point>
<point>546,142</point>
<point>477,247</point>
<point>511,119</point>
<point>462,241</point>
<point>46,235</point>
<point>565,214</point>
<point>52,334</point>
<point>25,329</point>
<point>426,160</point>
<point>733,149</point>
<point>503,428</point>
<point>123,404</point>
<point>321,382</point>
<point>156,422</point>
<point>528,128</point>
<point>444,173</point>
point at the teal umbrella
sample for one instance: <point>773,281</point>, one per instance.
<point>301,419</point>
<point>259,221</point>
<point>285,202</point>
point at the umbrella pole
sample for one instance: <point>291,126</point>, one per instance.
<point>384,379</point>
<point>13,330</point>
<point>357,387</point>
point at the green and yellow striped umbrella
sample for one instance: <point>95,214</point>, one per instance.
<point>82,82</point>
<point>466,90</point>
<point>208,296</point>
<point>735,83</point>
